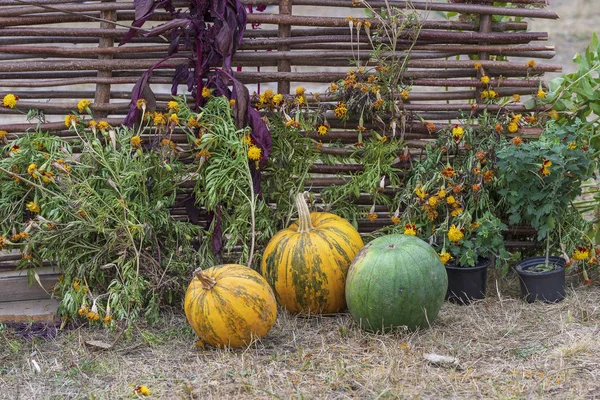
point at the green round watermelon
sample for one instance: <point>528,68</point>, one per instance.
<point>396,280</point>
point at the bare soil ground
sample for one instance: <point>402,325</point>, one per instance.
<point>506,349</point>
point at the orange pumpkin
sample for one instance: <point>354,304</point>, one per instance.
<point>230,305</point>
<point>306,263</point>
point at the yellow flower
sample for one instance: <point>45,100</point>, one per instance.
<point>92,124</point>
<point>205,154</point>
<point>2,242</point>
<point>135,141</point>
<point>173,106</point>
<point>159,119</point>
<point>278,98</point>
<point>107,319</point>
<point>395,220</point>
<point>455,234</point>
<point>174,119</point>
<point>301,100</point>
<point>553,114</point>
<point>93,316</point>
<point>103,125</point>
<point>485,94</point>
<point>168,143</point>
<point>531,64</point>
<point>70,120</point>
<point>456,212</point>
<point>192,122</point>
<point>206,92</point>
<point>33,207</point>
<point>442,193</point>
<point>333,87</point>
<point>82,105</point>
<point>541,94</point>
<point>141,104</point>
<point>432,201</point>
<point>445,257</point>
<point>572,146</point>
<point>492,94</point>
<point>513,127</point>
<point>47,176</point>
<point>378,103</point>
<point>404,94</point>
<point>299,91</point>
<point>142,390</point>
<point>232,103</point>
<point>477,66</point>
<point>340,110</point>
<point>83,310</point>
<point>474,225</point>
<point>450,200</point>
<point>457,132</point>
<point>254,153</point>
<point>420,193</point>
<point>32,170</point>
<point>410,229</point>
<point>322,129</point>
<point>372,216</point>
<point>3,135</point>
<point>10,101</point>
<point>581,253</point>
<point>516,98</point>
<point>545,169</point>
<point>485,79</point>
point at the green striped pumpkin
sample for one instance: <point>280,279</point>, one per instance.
<point>230,305</point>
<point>306,263</point>
<point>396,280</point>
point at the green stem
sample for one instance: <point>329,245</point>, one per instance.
<point>304,223</point>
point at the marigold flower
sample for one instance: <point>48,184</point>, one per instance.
<point>545,169</point>
<point>476,187</point>
<point>322,129</point>
<point>477,66</point>
<point>485,94</point>
<point>445,257</point>
<point>103,125</point>
<point>47,176</point>
<point>82,311</point>
<point>474,225</point>
<point>3,135</point>
<point>492,94</point>
<point>254,153</point>
<point>457,132</point>
<point>32,170</point>
<point>516,98</point>
<point>449,172</point>
<point>517,141</point>
<point>456,212</point>
<point>442,193</point>
<point>476,171</point>
<point>553,114</point>
<point>450,200</point>
<point>159,119</point>
<point>488,176</point>
<point>206,92</point>
<point>33,207</point>
<point>420,193</point>
<point>513,127</point>
<point>541,94</point>
<point>140,104</point>
<point>70,120</point>
<point>377,104</point>
<point>300,91</point>
<point>404,94</point>
<point>168,143</point>
<point>432,201</point>
<point>395,221</point>
<point>531,64</point>
<point>410,229</point>
<point>301,100</point>
<point>82,105</point>
<point>107,319</point>
<point>333,87</point>
<point>277,99</point>
<point>455,234</point>
<point>135,141</point>
<point>141,390</point>
<point>372,216</point>
<point>485,79</point>
<point>174,119</point>
<point>10,101</point>
<point>340,110</point>
<point>2,242</point>
<point>581,253</point>
<point>192,122</point>
<point>173,106</point>
<point>572,146</point>
<point>93,316</point>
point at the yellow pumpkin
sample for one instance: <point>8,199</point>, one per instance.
<point>230,305</point>
<point>306,263</point>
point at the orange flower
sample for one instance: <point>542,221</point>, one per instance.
<point>449,172</point>
<point>545,169</point>
<point>498,127</point>
<point>531,64</point>
<point>517,141</point>
<point>488,176</point>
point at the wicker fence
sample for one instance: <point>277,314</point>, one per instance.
<point>54,53</point>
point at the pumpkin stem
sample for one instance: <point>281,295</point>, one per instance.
<point>208,281</point>
<point>304,223</point>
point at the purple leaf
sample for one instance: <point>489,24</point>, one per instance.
<point>143,8</point>
<point>173,24</point>
<point>217,232</point>
<point>260,134</point>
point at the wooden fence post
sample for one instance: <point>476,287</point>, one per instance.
<point>285,31</point>
<point>102,96</point>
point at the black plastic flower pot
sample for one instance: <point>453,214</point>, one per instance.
<point>466,284</point>
<point>546,286</point>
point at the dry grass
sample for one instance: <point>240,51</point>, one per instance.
<point>506,349</point>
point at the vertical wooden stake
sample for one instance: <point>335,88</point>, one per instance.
<point>102,96</point>
<point>285,31</point>
<point>485,26</point>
